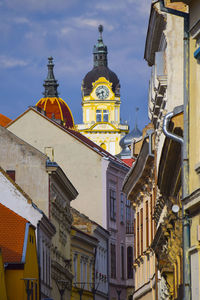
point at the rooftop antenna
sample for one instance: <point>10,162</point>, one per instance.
<point>136,115</point>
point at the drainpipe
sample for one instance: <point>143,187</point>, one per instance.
<point>185,221</point>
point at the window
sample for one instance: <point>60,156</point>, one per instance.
<point>75,267</point>
<point>141,232</point>
<point>11,173</point>
<point>147,224</point>
<point>105,115</point>
<point>102,115</point>
<point>116,115</point>
<point>82,271</point>
<point>98,115</point>
<point>128,211</point>
<point>113,260</point>
<point>122,262</point>
<point>112,205</point>
<point>129,262</point>
<point>138,236</point>
<point>122,208</point>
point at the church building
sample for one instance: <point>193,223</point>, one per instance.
<point>101,102</point>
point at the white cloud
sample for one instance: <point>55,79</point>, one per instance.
<point>21,20</point>
<point>40,5</point>
<point>11,62</point>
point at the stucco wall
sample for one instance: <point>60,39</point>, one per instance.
<point>81,165</point>
<point>29,165</point>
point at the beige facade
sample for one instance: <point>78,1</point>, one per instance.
<point>139,187</point>
<point>84,168</point>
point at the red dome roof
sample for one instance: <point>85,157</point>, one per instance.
<point>4,120</point>
<point>57,108</point>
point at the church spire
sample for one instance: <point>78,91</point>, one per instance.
<point>100,51</point>
<point>50,84</point>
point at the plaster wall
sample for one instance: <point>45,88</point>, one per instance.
<point>81,165</point>
<point>117,229</point>
<point>174,65</point>
<point>29,165</point>
<point>14,200</point>
<point>194,111</point>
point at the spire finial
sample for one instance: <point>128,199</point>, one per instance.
<point>50,84</point>
<point>100,28</point>
<point>100,50</point>
<point>136,110</point>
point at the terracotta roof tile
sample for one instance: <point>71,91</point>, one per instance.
<point>4,120</point>
<point>12,228</point>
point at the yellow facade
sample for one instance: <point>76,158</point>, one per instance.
<point>101,117</point>
<point>82,257</point>
<point>15,285</point>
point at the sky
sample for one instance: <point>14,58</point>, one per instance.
<point>67,30</point>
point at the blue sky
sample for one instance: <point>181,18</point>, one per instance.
<point>33,30</point>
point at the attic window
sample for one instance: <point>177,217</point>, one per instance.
<point>11,173</point>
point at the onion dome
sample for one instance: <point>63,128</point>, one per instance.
<point>54,107</point>
<point>4,120</point>
<point>126,141</point>
<point>100,68</point>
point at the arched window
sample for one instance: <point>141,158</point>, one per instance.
<point>130,262</point>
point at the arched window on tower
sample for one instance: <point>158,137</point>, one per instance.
<point>130,262</point>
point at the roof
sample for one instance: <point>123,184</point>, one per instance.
<point>4,120</point>
<point>57,108</point>
<point>95,73</point>
<point>78,136</point>
<point>83,218</point>
<point>12,228</point>
<point>128,161</point>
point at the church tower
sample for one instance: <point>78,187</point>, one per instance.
<point>101,102</point>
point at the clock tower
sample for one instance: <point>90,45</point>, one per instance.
<point>101,102</point>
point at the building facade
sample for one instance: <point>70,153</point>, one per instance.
<point>164,52</point>
<point>96,168</point>
<point>139,185</point>
<point>101,102</point>
<point>101,273</point>
<point>29,167</point>
<point>83,264</point>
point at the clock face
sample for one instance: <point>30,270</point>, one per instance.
<point>102,92</point>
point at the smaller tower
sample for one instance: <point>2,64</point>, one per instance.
<point>54,107</point>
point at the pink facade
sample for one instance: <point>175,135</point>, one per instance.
<point>120,226</point>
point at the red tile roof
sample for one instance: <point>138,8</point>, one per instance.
<point>128,161</point>
<point>12,232</point>
<point>4,120</point>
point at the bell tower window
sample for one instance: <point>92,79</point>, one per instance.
<point>105,115</point>
<point>98,115</point>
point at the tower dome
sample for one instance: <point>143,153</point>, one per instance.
<point>126,141</point>
<point>54,106</point>
<point>100,68</point>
